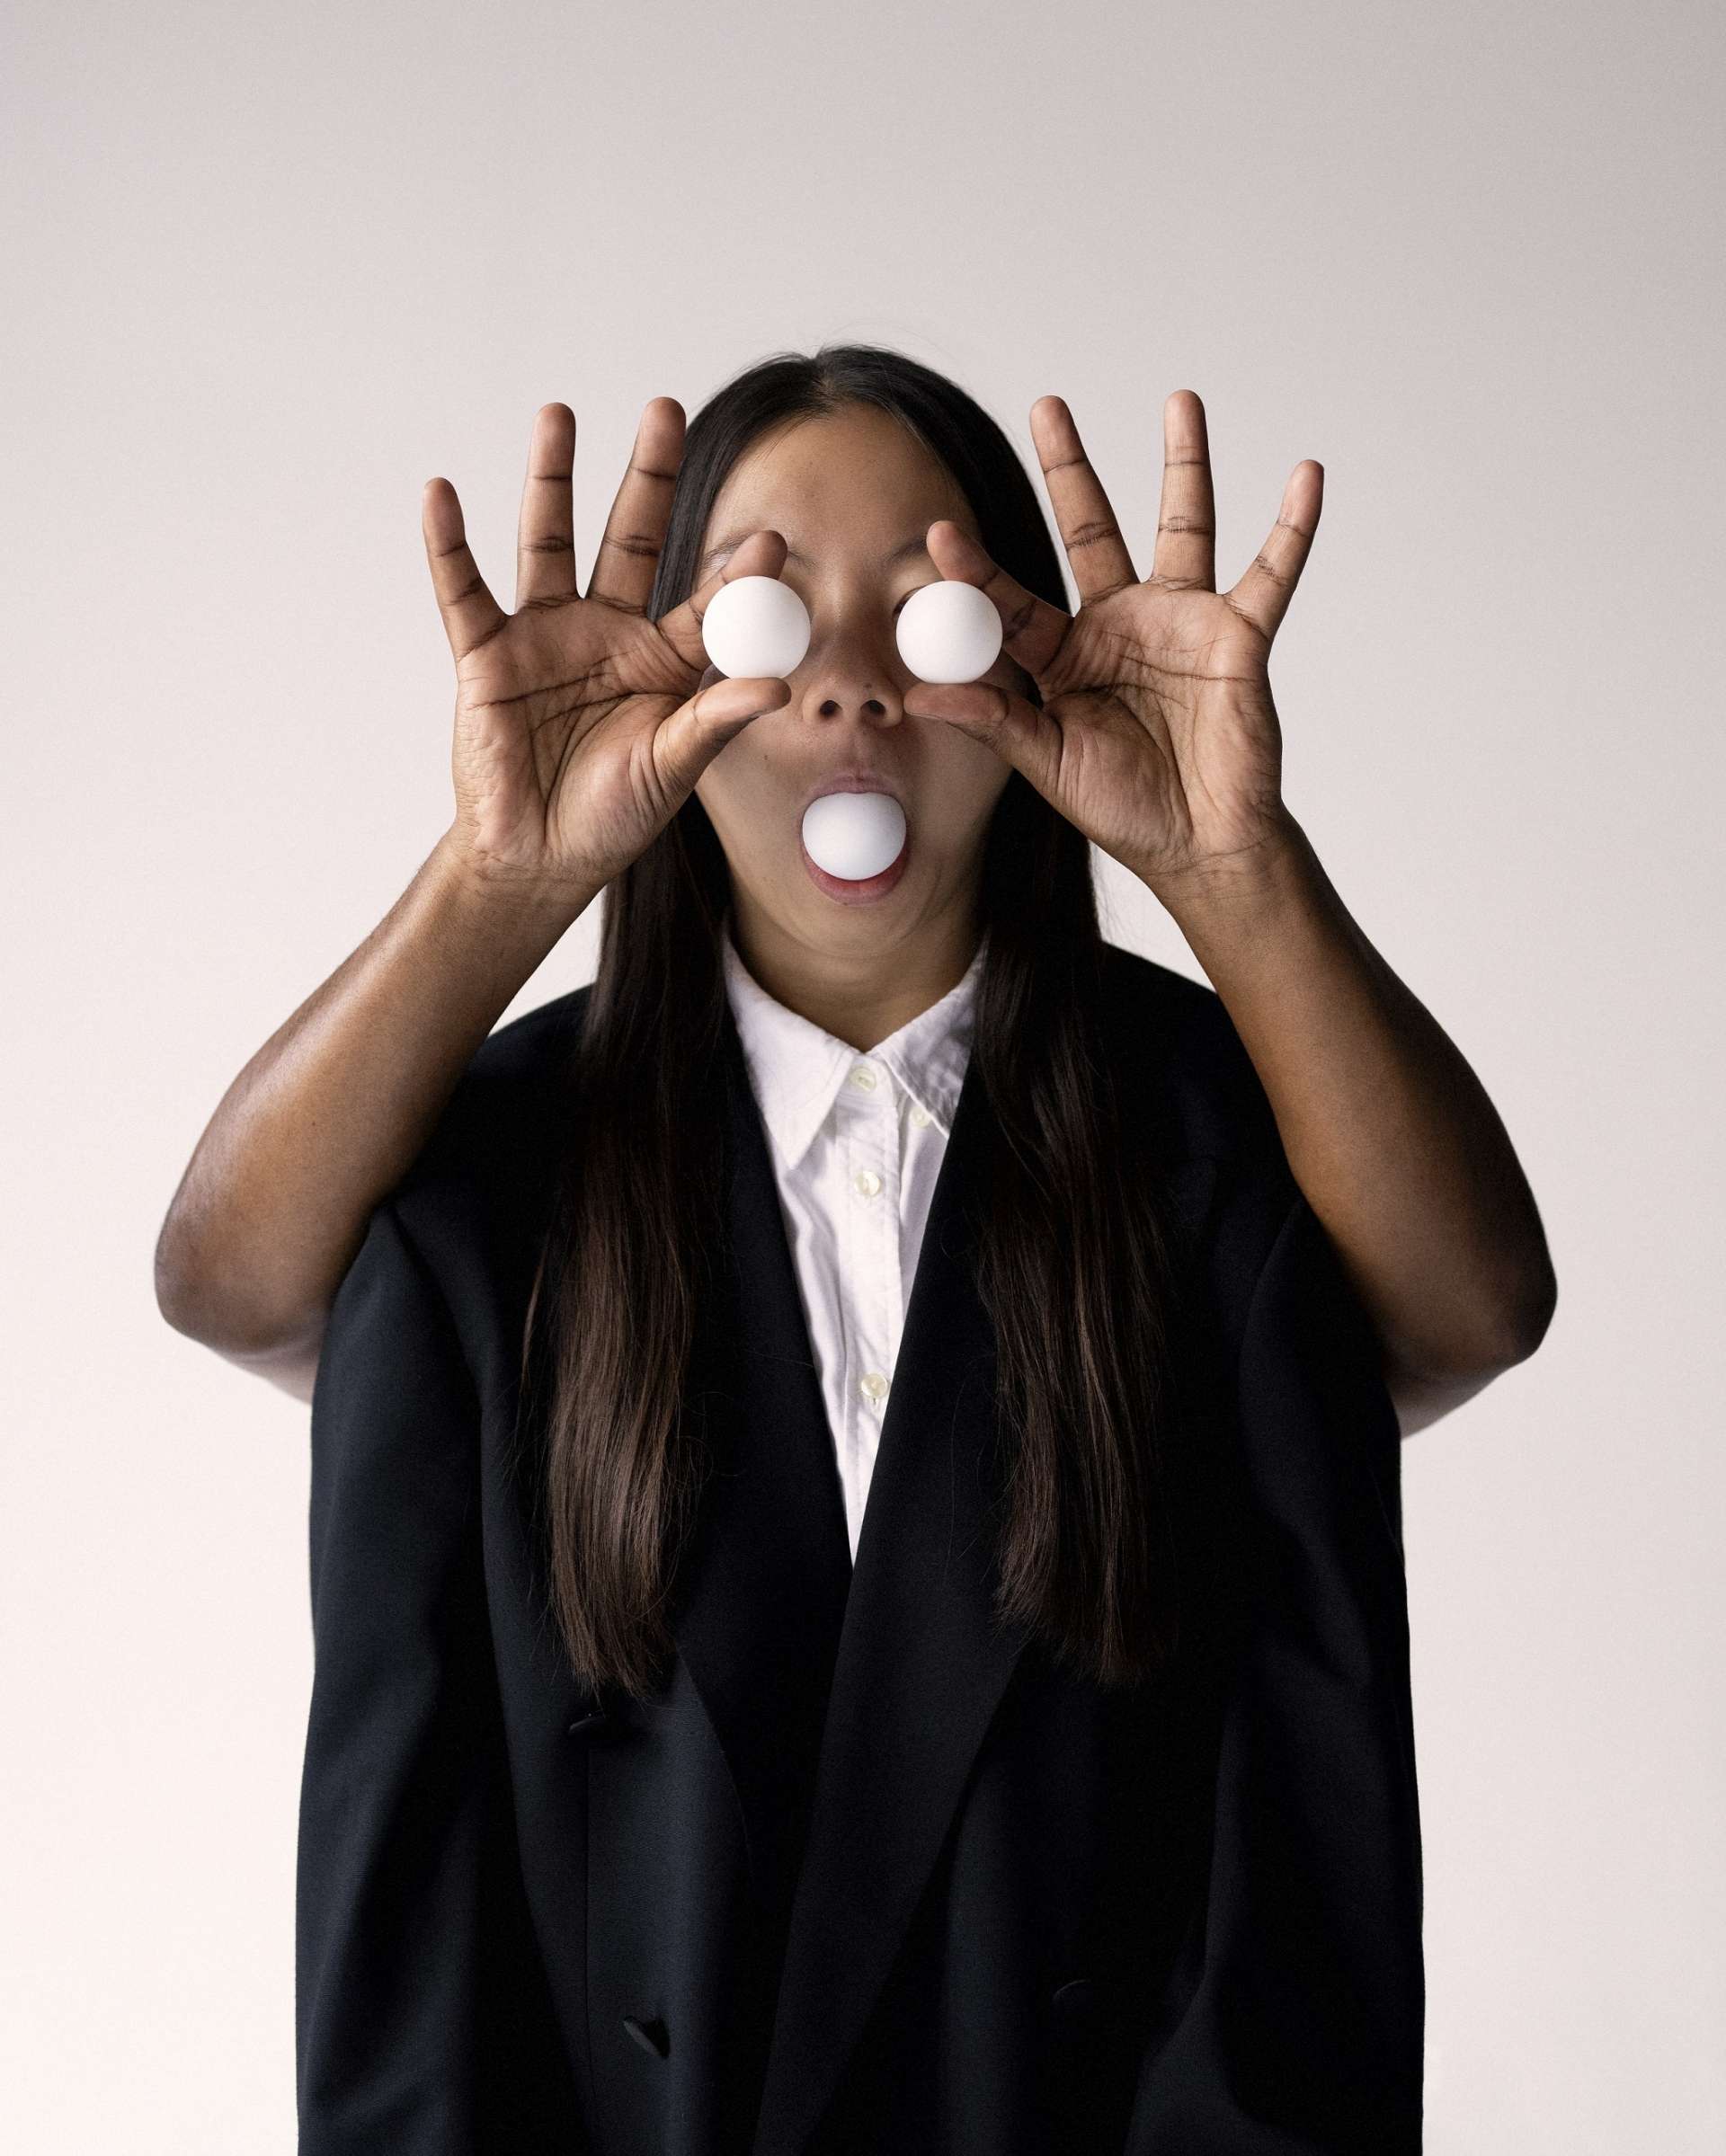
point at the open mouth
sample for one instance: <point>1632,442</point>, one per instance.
<point>856,890</point>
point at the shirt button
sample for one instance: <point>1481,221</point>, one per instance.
<point>868,1183</point>
<point>864,1077</point>
<point>872,1385</point>
<point>921,1116</point>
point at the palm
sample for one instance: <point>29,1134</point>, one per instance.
<point>1170,746</point>
<point>582,725</point>
<point>555,720</point>
<point>1157,734</point>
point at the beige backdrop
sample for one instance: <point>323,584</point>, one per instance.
<point>270,268</point>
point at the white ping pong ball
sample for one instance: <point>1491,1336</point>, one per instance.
<point>756,627</point>
<point>854,835</point>
<point>949,631</point>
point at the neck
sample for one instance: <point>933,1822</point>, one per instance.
<point>859,996</point>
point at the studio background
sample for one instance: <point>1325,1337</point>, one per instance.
<point>269,270</point>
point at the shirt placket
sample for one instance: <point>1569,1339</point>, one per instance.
<point>871,1287</point>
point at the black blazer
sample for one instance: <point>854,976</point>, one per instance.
<point>869,1875</point>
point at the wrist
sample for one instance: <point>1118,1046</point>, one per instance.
<point>1246,881</point>
<point>1261,911</point>
<point>489,891</point>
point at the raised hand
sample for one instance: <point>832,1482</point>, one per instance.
<point>580,725</point>
<point>1157,735</point>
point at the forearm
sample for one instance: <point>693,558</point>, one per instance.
<point>1389,1133</point>
<point>331,1110</point>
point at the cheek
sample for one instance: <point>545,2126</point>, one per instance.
<point>966,777</point>
<point>743,786</point>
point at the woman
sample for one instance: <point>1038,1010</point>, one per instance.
<point>834,1657</point>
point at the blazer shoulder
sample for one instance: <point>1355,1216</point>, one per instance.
<point>500,1133</point>
<point>1191,1068</point>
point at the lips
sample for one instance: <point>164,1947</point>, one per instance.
<point>854,780</point>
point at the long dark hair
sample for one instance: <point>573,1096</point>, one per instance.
<point>1072,1267</point>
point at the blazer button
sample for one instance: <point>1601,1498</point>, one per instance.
<point>1075,2000</point>
<point>652,2035</point>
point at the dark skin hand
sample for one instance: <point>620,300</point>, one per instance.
<point>1157,737</point>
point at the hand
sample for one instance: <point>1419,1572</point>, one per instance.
<point>1157,735</point>
<point>580,725</point>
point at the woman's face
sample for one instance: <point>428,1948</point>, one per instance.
<point>849,493</point>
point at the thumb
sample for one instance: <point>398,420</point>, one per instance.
<point>1000,718</point>
<point>687,742</point>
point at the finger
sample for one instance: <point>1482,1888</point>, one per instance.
<point>1015,729</point>
<point>1263,593</point>
<point>687,742</point>
<point>545,542</point>
<point>1031,629</point>
<point>635,532</point>
<point>1187,514</point>
<point>1092,538</point>
<point>471,616</point>
<point>763,553</point>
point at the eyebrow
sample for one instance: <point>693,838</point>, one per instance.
<point>903,552</point>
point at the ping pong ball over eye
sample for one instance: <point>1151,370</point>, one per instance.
<point>756,627</point>
<point>949,631</point>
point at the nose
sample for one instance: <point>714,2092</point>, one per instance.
<point>851,670</point>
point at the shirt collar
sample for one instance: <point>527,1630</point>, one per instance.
<point>797,1067</point>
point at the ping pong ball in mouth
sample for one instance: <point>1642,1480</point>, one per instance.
<point>854,835</point>
<point>949,631</point>
<point>755,627</point>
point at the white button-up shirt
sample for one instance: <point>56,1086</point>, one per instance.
<point>856,1141</point>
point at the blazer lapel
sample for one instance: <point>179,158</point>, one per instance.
<point>920,1665</point>
<point>767,1574</point>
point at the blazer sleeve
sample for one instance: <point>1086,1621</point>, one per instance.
<point>1298,2019</point>
<point>416,1972</point>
